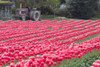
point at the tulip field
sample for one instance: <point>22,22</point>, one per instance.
<point>50,43</point>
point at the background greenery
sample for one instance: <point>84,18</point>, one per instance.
<point>82,9</point>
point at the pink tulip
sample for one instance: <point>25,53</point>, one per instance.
<point>12,65</point>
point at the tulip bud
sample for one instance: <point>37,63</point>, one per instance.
<point>32,58</point>
<point>12,65</point>
<point>18,65</point>
<point>54,63</point>
<point>59,62</point>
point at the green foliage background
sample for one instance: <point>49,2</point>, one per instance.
<point>48,5</point>
<point>82,9</point>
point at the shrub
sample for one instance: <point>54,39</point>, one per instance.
<point>82,9</point>
<point>61,12</point>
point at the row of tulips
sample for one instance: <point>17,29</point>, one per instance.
<point>47,52</point>
<point>96,24</point>
<point>52,34</point>
<point>11,34</point>
<point>28,23</point>
<point>6,37</point>
<point>55,57</point>
<point>57,36</point>
<point>38,24</point>
<point>84,33</point>
<point>41,49</point>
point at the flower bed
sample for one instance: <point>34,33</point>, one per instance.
<point>49,43</point>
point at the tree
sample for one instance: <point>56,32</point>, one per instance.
<point>62,1</point>
<point>48,6</point>
<point>83,9</point>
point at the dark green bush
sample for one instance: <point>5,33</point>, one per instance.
<point>61,12</point>
<point>46,10</point>
<point>82,9</point>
